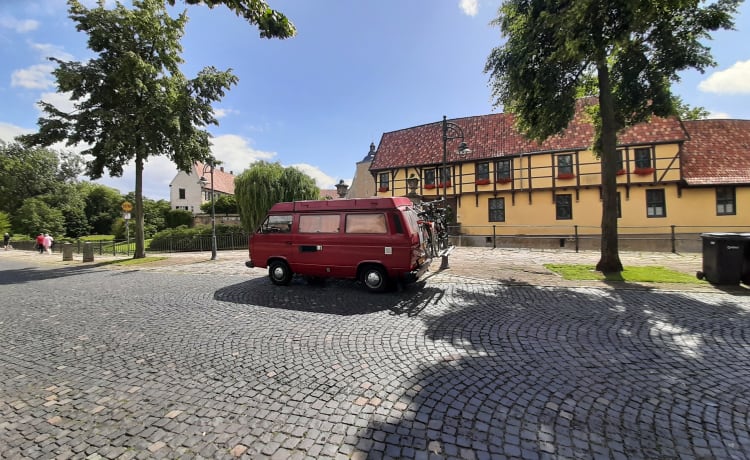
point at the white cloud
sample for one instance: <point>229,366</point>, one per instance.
<point>48,50</point>
<point>469,7</point>
<point>719,115</point>
<point>322,179</point>
<point>8,132</point>
<point>734,80</point>
<point>235,153</point>
<point>19,25</point>
<point>221,113</point>
<point>38,76</point>
<point>61,101</point>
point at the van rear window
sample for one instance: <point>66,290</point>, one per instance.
<point>365,223</point>
<point>319,223</point>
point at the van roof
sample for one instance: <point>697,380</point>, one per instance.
<point>338,205</point>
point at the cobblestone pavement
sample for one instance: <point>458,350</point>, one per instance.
<point>191,358</point>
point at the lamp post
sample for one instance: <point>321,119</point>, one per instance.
<point>341,189</point>
<point>203,182</point>
<point>450,131</point>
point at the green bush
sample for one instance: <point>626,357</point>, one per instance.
<point>184,238</point>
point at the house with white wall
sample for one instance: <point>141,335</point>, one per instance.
<point>186,192</point>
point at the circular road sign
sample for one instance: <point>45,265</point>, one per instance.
<point>127,207</point>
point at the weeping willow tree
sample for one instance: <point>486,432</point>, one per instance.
<point>265,184</point>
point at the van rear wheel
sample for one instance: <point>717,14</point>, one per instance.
<point>375,278</point>
<point>280,273</point>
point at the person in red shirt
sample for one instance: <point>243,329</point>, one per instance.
<point>40,243</point>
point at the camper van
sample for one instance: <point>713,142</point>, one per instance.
<point>374,240</point>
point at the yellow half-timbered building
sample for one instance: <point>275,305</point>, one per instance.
<point>676,179</point>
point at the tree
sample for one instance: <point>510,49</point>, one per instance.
<point>102,206</point>
<point>131,100</point>
<point>35,216</point>
<point>686,112</point>
<point>272,24</point>
<point>4,222</point>
<point>633,49</point>
<point>224,204</point>
<point>25,173</point>
<point>264,184</point>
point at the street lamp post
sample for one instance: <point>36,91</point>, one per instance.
<point>203,181</point>
<point>450,131</point>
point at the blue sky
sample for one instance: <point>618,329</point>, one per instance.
<point>355,70</point>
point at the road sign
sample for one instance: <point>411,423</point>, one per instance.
<point>127,206</point>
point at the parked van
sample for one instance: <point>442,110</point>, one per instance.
<point>374,240</point>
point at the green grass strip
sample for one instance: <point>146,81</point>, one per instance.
<point>645,274</point>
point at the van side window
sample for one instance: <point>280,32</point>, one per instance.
<point>365,223</point>
<point>319,223</point>
<point>277,224</point>
<point>397,224</point>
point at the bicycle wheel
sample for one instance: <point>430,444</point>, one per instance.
<point>429,241</point>
<point>442,236</point>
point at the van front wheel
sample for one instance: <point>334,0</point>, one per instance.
<point>374,278</point>
<point>280,273</point>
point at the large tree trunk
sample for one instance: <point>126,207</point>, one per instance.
<point>140,242</point>
<point>610,257</point>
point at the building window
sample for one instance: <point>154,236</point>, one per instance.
<point>445,177</point>
<point>725,201</point>
<point>565,166</point>
<point>643,158</point>
<point>383,182</point>
<point>497,209</point>
<point>564,207</point>
<point>620,162</point>
<point>655,203</point>
<point>483,172</point>
<point>429,178</point>
<point>502,171</point>
<point>182,193</point>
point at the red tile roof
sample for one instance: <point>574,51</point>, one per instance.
<point>329,194</point>
<point>492,136</point>
<point>223,181</point>
<point>718,152</point>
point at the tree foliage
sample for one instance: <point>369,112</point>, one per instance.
<point>633,50</point>
<point>271,23</point>
<point>224,204</point>
<point>265,184</point>
<point>131,100</point>
<point>26,173</point>
<point>35,216</point>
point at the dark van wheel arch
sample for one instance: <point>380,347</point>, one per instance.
<point>374,277</point>
<point>279,272</point>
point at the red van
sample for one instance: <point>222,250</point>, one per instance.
<point>374,240</point>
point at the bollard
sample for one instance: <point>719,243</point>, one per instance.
<point>88,252</point>
<point>67,251</point>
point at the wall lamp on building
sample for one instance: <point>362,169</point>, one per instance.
<point>450,131</point>
<point>209,167</point>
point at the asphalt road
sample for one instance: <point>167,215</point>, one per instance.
<point>125,363</point>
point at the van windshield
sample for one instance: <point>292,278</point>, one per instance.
<point>277,224</point>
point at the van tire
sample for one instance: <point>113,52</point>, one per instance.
<point>279,273</point>
<point>375,278</point>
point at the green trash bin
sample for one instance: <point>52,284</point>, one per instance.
<point>724,257</point>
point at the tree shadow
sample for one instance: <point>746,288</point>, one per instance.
<point>32,274</point>
<point>528,372</point>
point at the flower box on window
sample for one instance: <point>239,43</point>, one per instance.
<point>643,171</point>
<point>482,181</point>
<point>566,176</point>
<point>444,185</point>
<point>504,180</point>
<point>429,186</point>
<point>383,189</point>
<point>620,172</point>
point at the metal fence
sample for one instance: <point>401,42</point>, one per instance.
<point>670,238</point>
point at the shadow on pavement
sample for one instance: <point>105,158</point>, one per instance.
<point>31,274</point>
<point>572,373</point>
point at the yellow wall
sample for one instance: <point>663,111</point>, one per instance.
<point>533,211</point>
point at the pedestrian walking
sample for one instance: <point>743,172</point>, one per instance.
<point>40,243</point>
<point>6,241</point>
<point>48,243</point>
